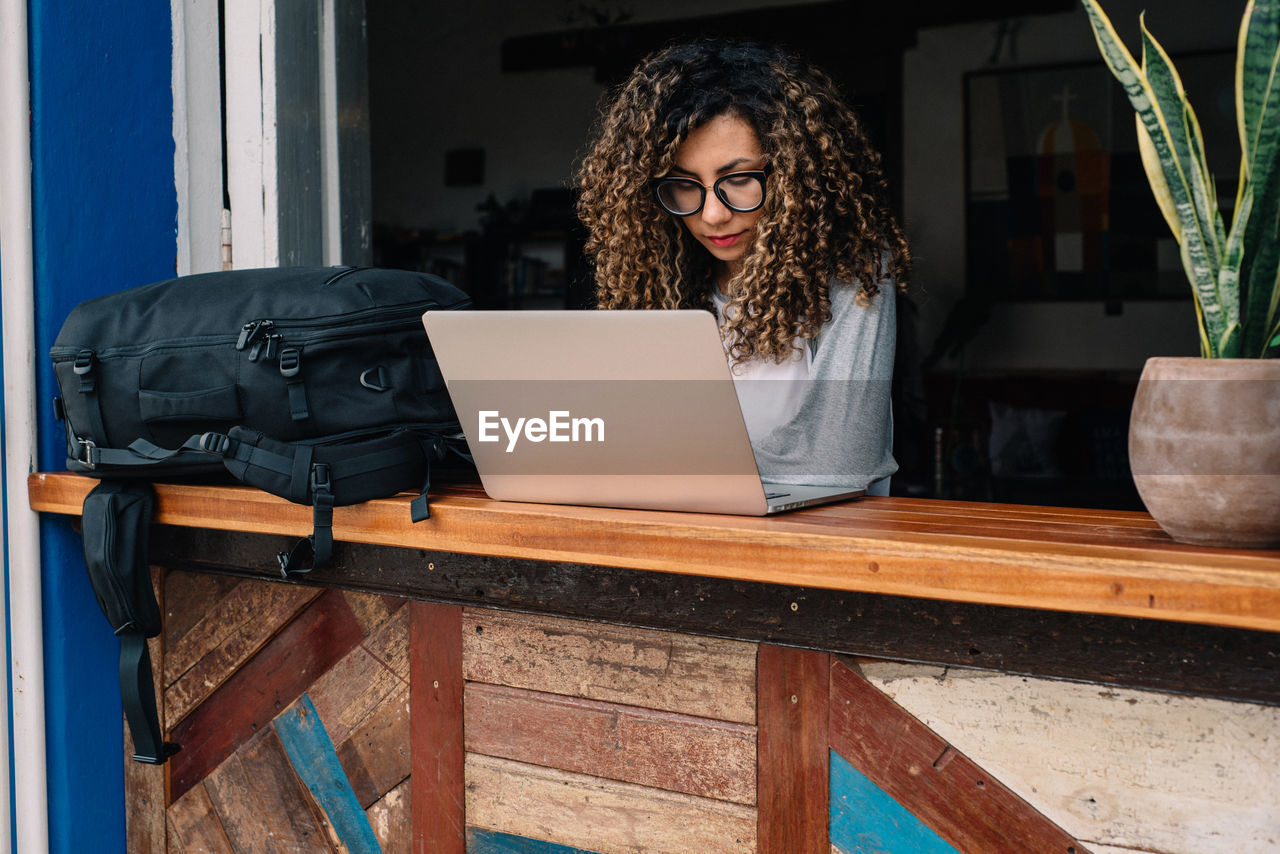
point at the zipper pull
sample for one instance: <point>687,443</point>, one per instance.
<point>273,344</point>
<point>247,332</point>
<point>252,333</point>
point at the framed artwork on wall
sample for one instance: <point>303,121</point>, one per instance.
<point>1057,205</point>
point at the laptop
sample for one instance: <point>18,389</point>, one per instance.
<point>632,409</point>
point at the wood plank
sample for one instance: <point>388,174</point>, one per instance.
<point>840,547</point>
<point>371,610</point>
<point>794,777</point>
<point>580,811</point>
<point>697,756</point>
<point>369,675</point>
<point>940,786</point>
<point>1153,654</point>
<point>376,756</point>
<point>314,760</point>
<point>194,821</point>
<point>227,636</point>
<point>260,804</point>
<point>188,597</point>
<point>436,729</point>
<point>144,784</point>
<point>864,818</point>
<point>308,646</point>
<point>1126,768</point>
<point>705,677</point>
<point>390,818</point>
<point>481,841</point>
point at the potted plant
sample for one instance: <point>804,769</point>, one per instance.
<point>1204,440</point>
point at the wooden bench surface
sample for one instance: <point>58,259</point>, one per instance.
<point>1089,561</point>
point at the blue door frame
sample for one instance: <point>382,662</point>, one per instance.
<point>104,214</point>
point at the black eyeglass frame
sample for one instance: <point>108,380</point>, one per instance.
<point>759,174</point>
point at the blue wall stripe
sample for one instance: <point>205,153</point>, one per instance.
<point>104,217</point>
<point>481,841</point>
<point>865,820</point>
<point>314,758</point>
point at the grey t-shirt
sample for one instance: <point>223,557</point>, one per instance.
<point>842,433</point>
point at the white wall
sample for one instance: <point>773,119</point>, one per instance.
<point>1030,335</point>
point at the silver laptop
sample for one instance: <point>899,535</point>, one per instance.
<point>606,408</point>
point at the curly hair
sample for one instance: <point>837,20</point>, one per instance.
<point>825,214</point>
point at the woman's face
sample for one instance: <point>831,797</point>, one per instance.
<point>723,145</point>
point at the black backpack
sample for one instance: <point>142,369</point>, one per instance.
<point>315,384</point>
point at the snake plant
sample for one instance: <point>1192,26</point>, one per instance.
<point>1235,275</point>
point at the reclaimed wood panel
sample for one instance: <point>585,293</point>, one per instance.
<point>1228,663</point>
<point>603,816</point>
<point>978,557</point>
<point>246,702</point>
<point>376,756</point>
<point>704,677</point>
<point>193,820</point>
<point>696,756</point>
<point>226,637</point>
<point>794,778</point>
<point>390,818</point>
<point>260,804</point>
<point>189,596</point>
<point>1130,769</point>
<point>481,841</point>
<point>436,729</point>
<point>946,790</point>
<point>358,685</point>
<point>865,818</point>
<point>314,760</point>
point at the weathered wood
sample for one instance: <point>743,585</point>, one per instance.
<point>188,597</point>
<point>1105,563</point>
<point>390,819</point>
<point>260,804</point>
<point>794,778</point>
<point>365,678</point>
<point>697,756</point>
<point>228,635</point>
<point>376,756</point>
<point>436,729</point>
<point>945,789</point>
<point>1151,654</point>
<point>481,841</point>
<point>314,760</point>
<point>245,703</point>
<point>688,675</point>
<point>194,821</point>
<point>1126,768</point>
<point>601,815</point>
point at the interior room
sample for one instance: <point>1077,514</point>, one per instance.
<point>1021,337</point>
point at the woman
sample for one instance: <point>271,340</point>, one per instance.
<point>733,177</point>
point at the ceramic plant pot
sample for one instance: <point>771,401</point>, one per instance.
<point>1204,447</point>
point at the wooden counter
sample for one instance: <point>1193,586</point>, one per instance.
<point>1086,561</point>
<point>514,677</point>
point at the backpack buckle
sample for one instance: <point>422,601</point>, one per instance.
<point>290,362</point>
<point>88,453</point>
<point>320,481</point>
<point>83,363</point>
<point>215,443</point>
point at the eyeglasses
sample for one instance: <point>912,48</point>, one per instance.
<point>738,191</point>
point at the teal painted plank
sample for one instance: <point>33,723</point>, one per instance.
<point>481,841</point>
<point>865,820</point>
<point>311,751</point>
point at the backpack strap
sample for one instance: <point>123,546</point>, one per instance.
<point>116,526</point>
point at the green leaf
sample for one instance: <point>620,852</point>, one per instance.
<point>1258,118</point>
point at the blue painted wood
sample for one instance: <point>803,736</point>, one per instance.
<point>104,211</point>
<point>315,760</point>
<point>481,841</point>
<point>865,820</point>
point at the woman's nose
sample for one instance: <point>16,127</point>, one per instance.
<point>714,211</point>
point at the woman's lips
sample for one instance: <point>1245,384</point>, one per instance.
<point>724,240</point>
